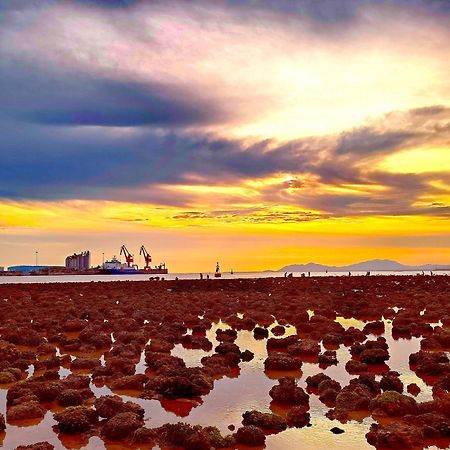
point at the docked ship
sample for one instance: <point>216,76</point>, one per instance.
<point>116,267</point>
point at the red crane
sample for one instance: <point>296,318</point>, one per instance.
<point>147,257</point>
<point>127,254</point>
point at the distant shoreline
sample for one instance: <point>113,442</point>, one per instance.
<point>384,265</point>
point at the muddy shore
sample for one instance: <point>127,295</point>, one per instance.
<point>258,363</point>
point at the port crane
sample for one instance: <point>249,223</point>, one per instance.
<point>146,255</point>
<point>127,254</point>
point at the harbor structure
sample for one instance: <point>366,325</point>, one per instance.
<point>25,268</point>
<point>79,261</point>
<point>116,267</point>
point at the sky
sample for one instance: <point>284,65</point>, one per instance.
<point>254,133</point>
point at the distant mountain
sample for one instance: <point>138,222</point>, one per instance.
<point>374,264</point>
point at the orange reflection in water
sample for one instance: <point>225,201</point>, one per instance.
<point>246,389</point>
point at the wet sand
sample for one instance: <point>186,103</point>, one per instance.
<point>161,343</point>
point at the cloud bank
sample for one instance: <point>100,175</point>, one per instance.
<point>283,103</point>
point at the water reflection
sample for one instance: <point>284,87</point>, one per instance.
<point>247,389</point>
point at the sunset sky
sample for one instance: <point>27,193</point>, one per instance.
<point>255,133</point>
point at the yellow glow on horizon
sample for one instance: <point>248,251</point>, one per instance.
<point>264,238</point>
<point>279,220</point>
<point>419,160</point>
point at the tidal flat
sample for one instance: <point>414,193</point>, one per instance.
<point>277,363</point>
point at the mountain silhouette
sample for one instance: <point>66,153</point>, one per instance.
<point>373,264</point>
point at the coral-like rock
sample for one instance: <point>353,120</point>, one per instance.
<point>110,405</point>
<point>313,381</point>
<point>70,397</point>
<point>413,389</point>
<point>265,421</point>
<point>353,398</point>
<point>143,435</point>
<point>260,333</point>
<point>250,435</point>
<point>25,410</point>
<point>391,383</point>
<point>281,361</point>
<point>129,382</point>
<point>305,347</point>
<point>374,356</point>
<point>76,419</point>
<point>298,417</point>
<point>352,366</point>
<point>288,392</point>
<point>391,403</point>
<point>37,446</point>
<point>328,357</point>
<point>121,425</point>
<point>395,435</point>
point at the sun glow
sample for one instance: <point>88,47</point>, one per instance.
<point>418,160</point>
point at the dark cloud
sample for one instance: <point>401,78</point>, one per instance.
<point>394,131</point>
<point>20,5</point>
<point>48,162</point>
<point>429,110</point>
<point>328,11</point>
<point>31,94</point>
<point>400,195</point>
<point>109,3</point>
<point>365,141</point>
<point>332,11</point>
<point>335,170</point>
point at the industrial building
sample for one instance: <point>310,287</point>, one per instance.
<point>79,261</point>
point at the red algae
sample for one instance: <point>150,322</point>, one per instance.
<point>201,358</point>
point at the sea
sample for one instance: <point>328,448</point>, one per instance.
<point>195,276</point>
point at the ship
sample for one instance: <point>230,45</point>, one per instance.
<point>117,267</point>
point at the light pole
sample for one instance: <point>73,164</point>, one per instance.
<point>103,259</point>
<point>37,253</point>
